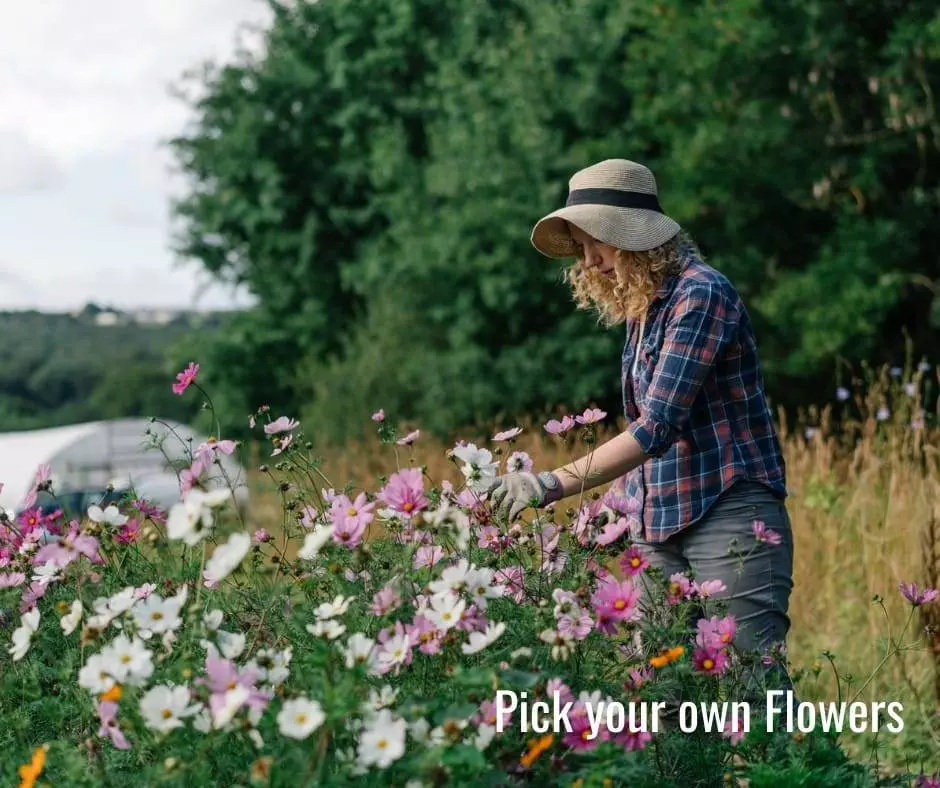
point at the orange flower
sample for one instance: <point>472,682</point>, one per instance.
<point>666,656</point>
<point>536,748</point>
<point>112,694</point>
<point>30,771</point>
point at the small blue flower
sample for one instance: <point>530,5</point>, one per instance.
<point>923,366</point>
<point>896,372</point>
<point>883,414</point>
<point>910,389</point>
<point>842,394</point>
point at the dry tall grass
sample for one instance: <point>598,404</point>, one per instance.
<point>865,508</point>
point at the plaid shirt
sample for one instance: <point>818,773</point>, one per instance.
<point>697,403</point>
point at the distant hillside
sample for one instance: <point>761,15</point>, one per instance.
<point>98,363</point>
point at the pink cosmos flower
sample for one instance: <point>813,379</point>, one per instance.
<point>33,593</point>
<point>308,516</point>
<point>487,715</point>
<point>357,513</point>
<point>633,562</point>
<point>507,435</point>
<point>612,531</point>
<point>282,444</point>
<point>472,620</point>
<point>709,588</point>
<point>142,592</point>
<point>710,662</point>
<point>555,427</point>
<point>206,452</point>
<point>189,477</point>
<point>512,578</point>
<point>556,685</point>
<point>12,579</point>
<point>926,781</point>
<point>404,492</point>
<point>638,678</point>
<point>348,531</point>
<point>107,716</point>
<point>679,588</point>
<point>601,572</point>
<point>223,675</point>
<point>616,601</point>
<point>591,416</point>
<point>734,736</point>
<point>715,633</point>
<point>385,601</point>
<point>581,737</point>
<point>68,548</point>
<point>576,625</point>
<point>632,741</point>
<point>764,534</point>
<point>262,536</point>
<point>917,596</point>
<point>147,509</point>
<point>519,461</point>
<point>379,415</point>
<point>427,555</point>
<point>185,378</point>
<point>427,636</point>
<point>43,474</point>
<point>410,438</point>
<point>283,424</point>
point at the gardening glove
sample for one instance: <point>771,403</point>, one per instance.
<point>513,492</point>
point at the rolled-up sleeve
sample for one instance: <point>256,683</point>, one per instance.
<point>700,326</point>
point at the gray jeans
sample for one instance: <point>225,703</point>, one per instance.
<point>758,576</point>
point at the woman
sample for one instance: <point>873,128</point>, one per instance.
<point>700,452</point>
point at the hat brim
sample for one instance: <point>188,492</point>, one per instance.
<point>633,229</point>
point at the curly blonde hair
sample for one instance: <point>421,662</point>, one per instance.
<point>637,277</point>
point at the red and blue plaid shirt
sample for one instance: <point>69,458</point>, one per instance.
<point>696,404</point>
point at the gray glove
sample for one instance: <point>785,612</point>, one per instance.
<point>513,492</point>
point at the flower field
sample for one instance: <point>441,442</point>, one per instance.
<point>373,620</point>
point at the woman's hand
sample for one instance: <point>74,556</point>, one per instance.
<point>514,492</point>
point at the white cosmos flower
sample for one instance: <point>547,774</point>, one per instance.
<point>478,466</point>
<point>453,578</point>
<point>109,515</point>
<point>191,519</point>
<point>163,707</point>
<point>481,587</point>
<point>485,735</point>
<point>420,730</point>
<point>47,573</point>
<point>445,611</point>
<point>157,615</point>
<point>383,699</point>
<point>335,608</point>
<point>561,643</point>
<point>212,620</point>
<point>23,635</point>
<point>480,640</point>
<point>95,676</point>
<point>128,661</point>
<point>314,542</point>
<point>382,742</point>
<point>202,720</point>
<point>328,629</point>
<point>232,701</point>
<point>393,652</point>
<point>71,619</point>
<point>358,650</point>
<point>299,717</point>
<point>231,644</point>
<point>270,666</point>
<point>226,557</point>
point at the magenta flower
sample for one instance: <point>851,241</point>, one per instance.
<point>262,536</point>
<point>348,531</point>
<point>633,562</point>
<point>581,737</point>
<point>404,492</point>
<point>638,678</point>
<point>358,513</point>
<point>427,555</point>
<point>472,620</point>
<point>555,427</point>
<point>68,548</point>
<point>410,438</point>
<point>557,686</point>
<point>379,415</point>
<point>715,633</point>
<point>591,416</point>
<point>128,533</point>
<point>186,378</point>
<point>764,534</point>
<point>107,716</point>
<point>617,601</point>
<point>917,596</point>
<point>632,741</point>
<point>223,675</point>
<point>507,435</point>
<point>385,601</point>
<point>926,781</point>
<point>487,715</point>
<point>710,662</point>
<point>283,424</point>
<point>612,531</point>
<point>733,736</point>
<point>709,588</point>
<point>147,509</point>
<point>519,461</point>
<point>427,636</point>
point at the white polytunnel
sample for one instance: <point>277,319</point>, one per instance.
<point>131,454</point>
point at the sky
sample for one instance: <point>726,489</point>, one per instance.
<point>85,181</point>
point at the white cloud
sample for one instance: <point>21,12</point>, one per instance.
<point>84,181</point>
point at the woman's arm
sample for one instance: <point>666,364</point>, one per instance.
<point>607,462</point>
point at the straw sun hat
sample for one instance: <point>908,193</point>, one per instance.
<point>614,201</point>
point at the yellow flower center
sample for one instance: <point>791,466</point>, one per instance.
<point>156,615</point>
<point>382,744</point>
<point>634,562</point>
<point>166,714</point>
<point>352,511</point>
<point>300,719</point>
<point>620,604</point>
<point>408,506</point>
<point>708,664</point>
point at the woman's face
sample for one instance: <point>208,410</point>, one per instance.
<point>592,254</point>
